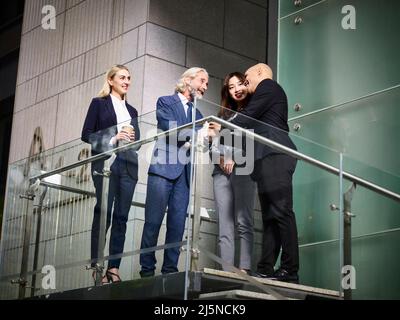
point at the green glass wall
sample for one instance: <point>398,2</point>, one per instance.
<point>347,83</point>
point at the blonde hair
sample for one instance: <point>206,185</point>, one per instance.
<point>106,89</point>
<point>191,73</point>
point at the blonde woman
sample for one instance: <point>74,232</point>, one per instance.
<point>106,116</point>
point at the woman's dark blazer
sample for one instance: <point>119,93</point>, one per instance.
<point>101,125</point>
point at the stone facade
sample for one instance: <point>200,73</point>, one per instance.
<point>61,70</point>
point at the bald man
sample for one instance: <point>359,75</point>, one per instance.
<point>273,173</point>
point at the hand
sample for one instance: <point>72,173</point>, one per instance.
<point>212,133</point>
<point>228,166</point>
<point>123,135</point>
<point>214,126</point>
<point>221,163</point>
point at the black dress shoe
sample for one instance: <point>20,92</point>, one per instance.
<point>285,276</point>
<point>146,274</point>
<point>262,274</point>
<point>249,272</point>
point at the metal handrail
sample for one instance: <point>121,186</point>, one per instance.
<point>275,145</point>
<point>298,155</point>
<point>108,153</point>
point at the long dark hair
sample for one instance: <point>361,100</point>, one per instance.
<point>228,104</point>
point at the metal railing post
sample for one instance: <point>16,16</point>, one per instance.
<point>37,241</point>
<point>191,187</point>
<point>29,197</point>
<point>103,223</point>
<point>347,216</point>
<point>196,212</point>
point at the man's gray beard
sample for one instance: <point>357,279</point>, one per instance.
<point>196,95</point>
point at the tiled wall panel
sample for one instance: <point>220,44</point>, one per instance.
<point>40,51</point>
<point>73,106</point>
<point>25,94</point>
<point>33,14</point>
<point>94,18</point>
<point>200,19</point>
<point>60,78</point>
<point>245,33</point>
<point>41,115</point>
<point>217,61</point>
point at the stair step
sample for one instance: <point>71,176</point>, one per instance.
<point>277,284</point>
<point>237,294</point>
<point>207,284</point>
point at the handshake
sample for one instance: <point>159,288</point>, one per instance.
<point>225,163</point>
<point>213,129</point>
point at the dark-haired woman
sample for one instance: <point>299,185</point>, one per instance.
<point>234,193</point>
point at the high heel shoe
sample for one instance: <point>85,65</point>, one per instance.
<point>110,278</point>
<point>104,279</point>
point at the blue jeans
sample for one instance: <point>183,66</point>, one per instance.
<point>162,192</point>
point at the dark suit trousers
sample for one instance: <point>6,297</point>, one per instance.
<point>162,192</point>
<point>274,180</point>
<point>121,189</point>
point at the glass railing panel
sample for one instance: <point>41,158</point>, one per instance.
<point>365,130</point>
<point>314,191</point>
<point>375,230</point>
<point>318,66</point>
<point>66,219</point>
<point>376,263</point>
<point>67,216</point>
<point>58,241</point>
<point>376,212</point>
<point>287,7</point>
<point>12,230</point>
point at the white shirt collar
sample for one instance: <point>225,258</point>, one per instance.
<point>116,100</point>
<point>184,100</point>
<point>121,111</point>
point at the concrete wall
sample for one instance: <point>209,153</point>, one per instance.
<point>61,70</point>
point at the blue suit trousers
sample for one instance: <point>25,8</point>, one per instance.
<point>163,193</point>
<point>120,193</point>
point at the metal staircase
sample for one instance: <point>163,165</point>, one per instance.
<point>209,284</point>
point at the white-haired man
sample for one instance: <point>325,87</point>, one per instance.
<point>169,175</point>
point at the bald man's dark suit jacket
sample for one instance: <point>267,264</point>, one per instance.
<point>267,114</point>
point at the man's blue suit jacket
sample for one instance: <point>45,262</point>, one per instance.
<point>165,163</point>
<point>101,125</point>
